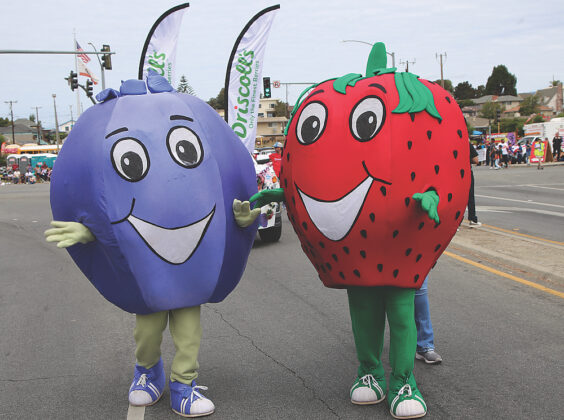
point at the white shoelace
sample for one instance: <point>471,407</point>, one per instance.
<point>196,393</point>
<point>367,379</point>
<point>142,380</point>
<point>405,388</point>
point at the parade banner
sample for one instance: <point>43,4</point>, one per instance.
<point>497,137</point>
<point>243,77</point>
<point>540,150</point>
<point>159,51</point>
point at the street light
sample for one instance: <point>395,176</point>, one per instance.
<point>101,66</point>
<point>393,55</point>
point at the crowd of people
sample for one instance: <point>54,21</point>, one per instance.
<point>32,175</point>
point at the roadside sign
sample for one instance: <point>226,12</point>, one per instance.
<point>276,84</point>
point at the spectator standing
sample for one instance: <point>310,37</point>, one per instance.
<point>276,158</point>
<point>472,217</point>
<point>504,152</point>
<point>425,335</point>
<point>557,146</point>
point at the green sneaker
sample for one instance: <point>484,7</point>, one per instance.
<point>407,403</point>
<point>368,390</point>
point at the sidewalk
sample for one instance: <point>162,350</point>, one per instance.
<point>512,252</point>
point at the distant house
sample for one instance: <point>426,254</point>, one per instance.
<point>550,98</point>
<point>506,101</point>
<point>66,127</point>
<point>25,131</point>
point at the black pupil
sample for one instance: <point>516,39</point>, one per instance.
<point>132,165</point>
<point>310,129</point>
<point>186,152</point>
<point>366,125</point>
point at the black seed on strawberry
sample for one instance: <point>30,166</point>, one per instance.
<point>321,244</point>
<point>409,144</point>
<point>429,134</point>
<point>455,153</point>
<point>459,132</point>
<point>449,197</point>
<point>418,257</point>
<point>292,218</point>
<point>412,176</point>
<point>380,267</point>
<point>363,253</point>
<point>285,182</point>
<point>462,173</point>
<point>456,215</point>
<point>304,225</point>
<point>395,233</point>
<point>448,99</point>
<point>293,201</point>
<point>356,273</point>
<point>334,257</point>
<point>342,275</point>
<point>372,217</point>
<point>288,157</point>
<point>412,116</point>
<point>328,266</point>
<point>437,247</point>
<point>396,271</point>
<point>323,269</point>
<point>416,278</point>
<point>383,190</point>
<point>346,249</point>
<point>407,252</point>
<point>407,201</point>
<point>437,169</point>
<point>363,233</point>
<point>421,225</point>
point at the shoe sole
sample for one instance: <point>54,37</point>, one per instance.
<point>193,415</point>
<point>147,405</point>
<point>368,402</point>
<point>429,362</point>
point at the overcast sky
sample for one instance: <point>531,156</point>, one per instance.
<point>305,42</point>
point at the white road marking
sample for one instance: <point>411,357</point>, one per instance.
<point>495,209</point>
<point>520,185</point>
<point>135,413</point>
<point>520,201</point>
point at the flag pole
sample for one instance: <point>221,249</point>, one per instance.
<point>76,71</point>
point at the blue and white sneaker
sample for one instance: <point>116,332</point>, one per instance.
<point>187,401</point>
<point>148,385</point>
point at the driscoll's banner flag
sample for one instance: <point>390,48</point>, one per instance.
<point>243,78</point>
<point>159,51</point>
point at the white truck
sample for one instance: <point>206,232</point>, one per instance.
<point>545,129</point>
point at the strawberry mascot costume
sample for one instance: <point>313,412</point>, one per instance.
<point>376,176</point>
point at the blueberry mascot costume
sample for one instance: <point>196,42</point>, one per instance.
<point>144,197</point>
<point>369,164</point>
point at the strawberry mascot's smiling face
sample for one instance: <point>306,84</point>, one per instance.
<point>357,150</point>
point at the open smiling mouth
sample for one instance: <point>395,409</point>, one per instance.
<point>335,219</point>
<point>173,245</point>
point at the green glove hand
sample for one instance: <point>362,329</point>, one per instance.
<point>265,197</point>
<point>429,202</point>
<point>68,234</point>
<point>243,214</point>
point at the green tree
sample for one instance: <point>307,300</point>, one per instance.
<point>489,110</point>
<point>280,109</point>
<point>219,101</point>
<point>448,84</point>
<point>5,122</point>
<point>480,91</point>
<point>464,90</point>
<point>185,87</point>
<point>32,117</point>
<point>465,102</point>
<point>538,118</point>
<point>554,83</point>
<point>501,82</point>
<point>530,105</point>
<point>509,125</point>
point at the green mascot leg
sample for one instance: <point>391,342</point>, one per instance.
<point>148,336</point>
<point>186,333</point>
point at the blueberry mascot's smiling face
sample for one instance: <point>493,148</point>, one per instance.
<point>153,174</point>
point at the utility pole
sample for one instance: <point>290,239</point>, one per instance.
<point>37,123</point>
<point>442,78</point>
<point>406,62</point>
<point>72,119</point>
<point>56,123</point>
<point>12,113</point>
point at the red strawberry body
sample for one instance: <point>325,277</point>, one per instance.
<point>350,169</point>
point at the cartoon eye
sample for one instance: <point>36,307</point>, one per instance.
<point>130,159</point>
<point>185,147</point>
<point>367,118</point>
<point>311,123</point>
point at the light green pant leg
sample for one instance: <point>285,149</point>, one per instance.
<point>403,335</point>
<point>186,333</point>
<point>148,336</point>
<point>366,306</point>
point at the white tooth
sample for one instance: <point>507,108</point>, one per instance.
<point>174,245</point>
<point>334,219</point>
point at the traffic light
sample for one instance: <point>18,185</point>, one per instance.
<point>266,86</point>
<point>73,80</point>
<point>498,114</point>
<point>89,84</point>
<point>106,58</point>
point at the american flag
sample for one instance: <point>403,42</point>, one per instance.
<point>85,59</point>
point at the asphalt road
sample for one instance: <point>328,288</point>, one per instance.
<point>280,346</point>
